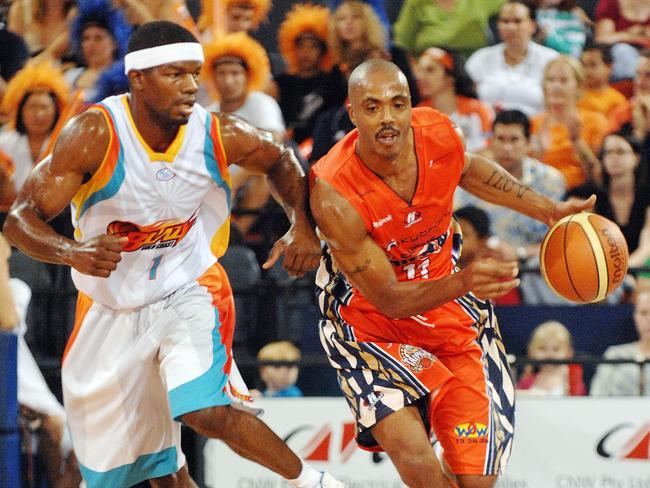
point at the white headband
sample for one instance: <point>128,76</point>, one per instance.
<point>168,53</point>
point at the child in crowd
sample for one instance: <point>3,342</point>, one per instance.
<point>598,95</point>
<point>279,370</point>
<point>551,340</point>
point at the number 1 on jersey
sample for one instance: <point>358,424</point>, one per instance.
<point>154,267</point>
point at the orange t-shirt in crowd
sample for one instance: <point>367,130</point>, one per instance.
<point>560,152</point>
<point>419,237</point>
<point>604,100</point>
<point>619,117</point>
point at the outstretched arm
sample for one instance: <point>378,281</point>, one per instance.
<point>366,266</point>
<point>50,188</point>
<point>489,181</point>
<point>256,151</point>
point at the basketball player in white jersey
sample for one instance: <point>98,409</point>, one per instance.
<point>147,176</point>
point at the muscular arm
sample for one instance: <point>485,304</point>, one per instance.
<point>489,181</point>
<point>366,266</point>
<point>50,188</point>
<point>255,151</point>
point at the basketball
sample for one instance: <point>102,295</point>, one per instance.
<point>583,257</point>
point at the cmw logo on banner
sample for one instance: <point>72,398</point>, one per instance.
<point>625,441</point>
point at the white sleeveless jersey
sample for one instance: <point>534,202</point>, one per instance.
<point>174,207</point>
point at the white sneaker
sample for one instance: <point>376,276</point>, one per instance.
<point>328,481</point>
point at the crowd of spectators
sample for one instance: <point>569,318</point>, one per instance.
<point>557,93</point>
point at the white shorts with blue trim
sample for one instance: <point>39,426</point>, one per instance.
<point>128,376</point>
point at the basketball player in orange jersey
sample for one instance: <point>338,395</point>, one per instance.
<point>415,343</point>
<point>147,176</point>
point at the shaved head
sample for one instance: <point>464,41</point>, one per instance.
<point>360,77</point>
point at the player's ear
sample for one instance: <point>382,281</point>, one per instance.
<point>350,110</point>
<point>136,79</point>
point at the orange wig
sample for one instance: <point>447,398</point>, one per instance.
<point>260,11</point>
<point>35,77</point>
<point>238,45</point>
<point>304,19</point>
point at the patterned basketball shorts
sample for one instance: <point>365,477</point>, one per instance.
<point>466,399</point>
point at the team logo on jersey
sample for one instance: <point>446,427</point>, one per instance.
<point>412,218</point>
<point>166,233</point>
<point>415,357</point>
<point>165,174</point>
<point>391,245</point>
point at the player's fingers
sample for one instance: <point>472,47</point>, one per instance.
<point>274,255</point>
<point>588,204</point>
<point>100,273</point>
<point>292,260</point>
<point>106,264</point>
<point>496,290</point>
<point>112,256</point>
<point>314,262</point>
<point>115,244</point>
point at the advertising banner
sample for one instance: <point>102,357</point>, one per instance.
<point>559,443</point>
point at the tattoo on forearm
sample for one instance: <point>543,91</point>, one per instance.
<point>360,268</point>
<point>505,183</point>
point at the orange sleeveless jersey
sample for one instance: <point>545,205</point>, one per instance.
<point>420,238</point>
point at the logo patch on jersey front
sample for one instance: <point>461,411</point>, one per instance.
<point>163,234</point>
<point>415,358</point>
<point>165,174</point>
<point>412,218</point>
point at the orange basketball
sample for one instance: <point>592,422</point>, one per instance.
<point>583,257</point>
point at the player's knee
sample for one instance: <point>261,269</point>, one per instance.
<point>476,481</point>
<point>216,422</point>
<point>419,469</point>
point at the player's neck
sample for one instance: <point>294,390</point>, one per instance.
<point>155,131</point>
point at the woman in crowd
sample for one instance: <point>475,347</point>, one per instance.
<point>445,86</point>
<point>509,75</point>
<point>551,340</point>
<point>99,37</point>
<point>624,195</point>
<point>566,136</point>
<point>35,99</point>
<point>356,26</point>
<point>41,23</point>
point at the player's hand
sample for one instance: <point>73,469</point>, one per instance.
<point>570,207</point>
<point>301,250</point>
<point>5,248</point>
<point>489,278</point>
<point>98,256</point>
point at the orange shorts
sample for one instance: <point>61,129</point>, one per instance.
<point>466,398</point>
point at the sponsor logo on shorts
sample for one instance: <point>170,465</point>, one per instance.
<point>372,400</point>
<point>415,358</point>
<point>471,430</point>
